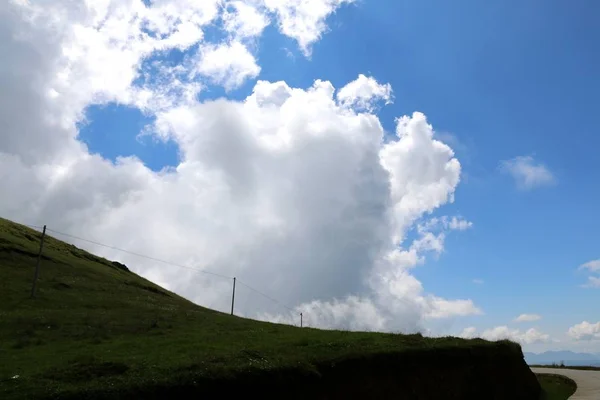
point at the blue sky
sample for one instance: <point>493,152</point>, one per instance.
<point>497,80</point>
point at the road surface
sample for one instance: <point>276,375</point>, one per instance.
<point>588,382</point>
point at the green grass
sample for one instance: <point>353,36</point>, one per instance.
<point>556,387</point>
<point>95,325</point>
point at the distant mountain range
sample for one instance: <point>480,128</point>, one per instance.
<point>567,357</point>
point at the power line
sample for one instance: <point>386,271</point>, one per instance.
<point>27,225</point>
<point>164,262</point>
<point>265,295</point>
<point>141,255</point>
<point>173,264</point>
<point>33,226</point>
<point>307,316</point>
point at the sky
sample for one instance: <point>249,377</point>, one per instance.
<point>404,166</point>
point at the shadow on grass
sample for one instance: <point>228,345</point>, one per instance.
<point>556,387</point>
<point>85,368</point>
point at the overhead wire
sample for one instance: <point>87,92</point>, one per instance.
<point>140,255</point>
<point>265,295</point>
<point>173,264</point>
<point>204,271</point>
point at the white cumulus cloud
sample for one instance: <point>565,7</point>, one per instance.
<point>530,336</point>
<point>434,183</point>
<point>585,331</point>
<point>303,21</point>
<point>244,20</point>
<point>288,189</point>
<point>468,333</point>
<point>364,92</point>
<point>228,64</point>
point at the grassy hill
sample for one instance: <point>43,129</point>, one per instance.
<point>556,387</point>
<point>97,330</point>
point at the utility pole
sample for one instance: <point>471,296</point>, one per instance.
<point>37,267</point>
<point>300,320</point>
<point>233,296</point>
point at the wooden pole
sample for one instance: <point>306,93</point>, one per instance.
<point>233,296</point>
<point>37,266</point>
<point>300,320</point>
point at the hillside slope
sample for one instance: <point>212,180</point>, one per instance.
<point>97,330</point>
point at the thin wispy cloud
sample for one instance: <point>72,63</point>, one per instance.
<point>527,173</point>
<point>528,318</point>
<point>591,267</point>
<point>592,282</point>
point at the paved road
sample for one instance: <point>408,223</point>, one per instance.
<point>588,382</point>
